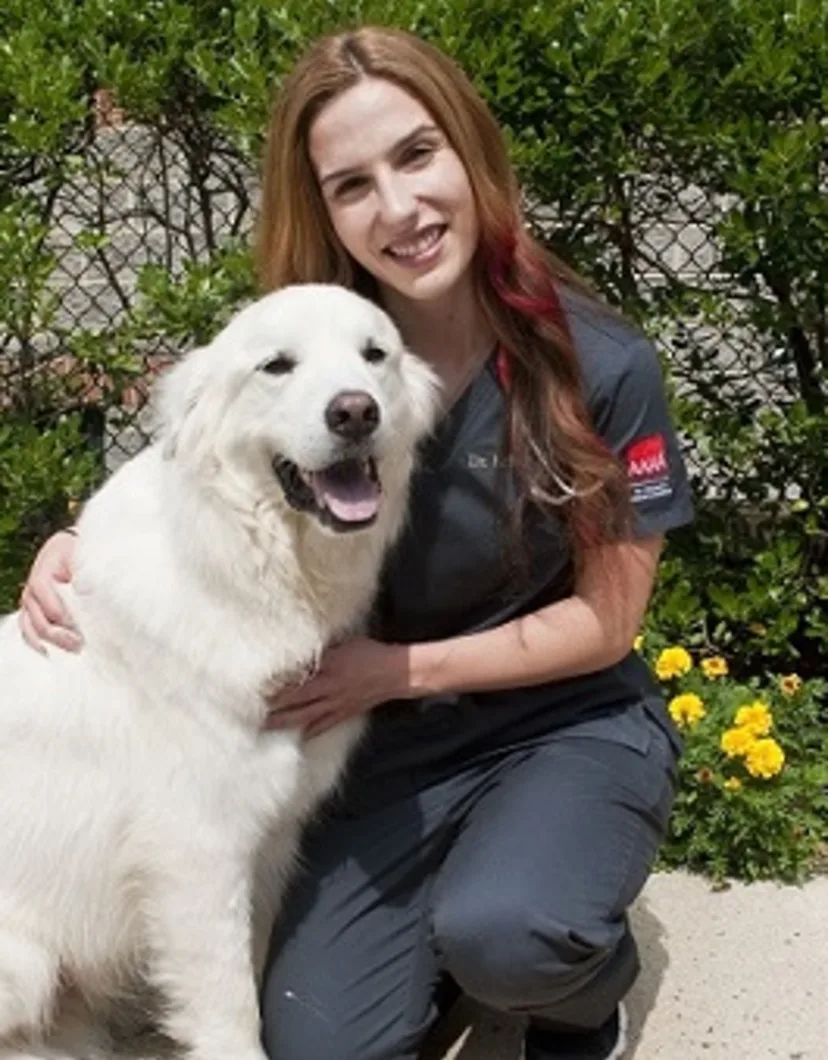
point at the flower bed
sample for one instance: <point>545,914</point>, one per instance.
<point>753,794</point>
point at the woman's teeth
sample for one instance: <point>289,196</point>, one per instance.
<point>416,247</point>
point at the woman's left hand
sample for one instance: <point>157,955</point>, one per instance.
<point>352,677</point>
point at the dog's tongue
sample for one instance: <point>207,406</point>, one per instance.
<point>348,491</point>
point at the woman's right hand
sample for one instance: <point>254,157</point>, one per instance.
<point>43,616</point>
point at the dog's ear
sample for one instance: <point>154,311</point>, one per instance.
<point>189,404</point>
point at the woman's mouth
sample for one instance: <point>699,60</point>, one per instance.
<point>420,249</point>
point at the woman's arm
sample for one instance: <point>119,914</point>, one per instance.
<point>587,631</point>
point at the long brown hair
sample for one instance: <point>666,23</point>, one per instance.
<point>551,443</point>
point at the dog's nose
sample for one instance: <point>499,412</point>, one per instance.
<point>353,414</point>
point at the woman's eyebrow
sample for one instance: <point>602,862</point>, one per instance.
<point>400,145</point>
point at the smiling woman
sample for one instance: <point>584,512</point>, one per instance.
<point>509,800</point>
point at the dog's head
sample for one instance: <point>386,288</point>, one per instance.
<point>308,393</point>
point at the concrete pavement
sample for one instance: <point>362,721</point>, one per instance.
<point>740,974</point>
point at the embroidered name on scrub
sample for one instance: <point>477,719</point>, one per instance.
<point>486,461</point>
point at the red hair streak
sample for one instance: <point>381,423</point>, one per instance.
<point>503,368</point>
<point>542,306</point>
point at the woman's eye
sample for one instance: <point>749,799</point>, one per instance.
<point>281,364</point>
<point>350,187</point>
<point>419,154</point>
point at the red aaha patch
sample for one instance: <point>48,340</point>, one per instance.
<point>647,458</point>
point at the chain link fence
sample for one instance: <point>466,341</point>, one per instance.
<point>134,198</point>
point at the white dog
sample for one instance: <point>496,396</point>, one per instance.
<point>138,789</point>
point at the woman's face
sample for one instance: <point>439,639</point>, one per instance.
<point>397,193</point>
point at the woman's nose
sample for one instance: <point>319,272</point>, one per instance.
<point>396,200</point>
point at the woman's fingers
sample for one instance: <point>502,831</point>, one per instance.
<point>298,717</point>
<point>321,724</point>
<point>54,625</point>
<point>51,605</point>
<point>29,634</point>
<point>43,615</point>
<point>299,696</point>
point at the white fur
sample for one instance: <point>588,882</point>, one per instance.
<point>137,786</point>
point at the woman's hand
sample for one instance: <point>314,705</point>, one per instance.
<point>352,677</point>
<point>43,616</point>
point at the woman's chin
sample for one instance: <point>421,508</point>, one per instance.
<point>430,285</point>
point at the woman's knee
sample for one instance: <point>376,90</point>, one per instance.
<point>518,959</point>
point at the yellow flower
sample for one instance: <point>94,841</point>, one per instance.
<point>755,717</point>
<point>790,684</point>
<point>735,742</point>
<point>715,667</point>
<point>732,784</point>
<point>673,662</point>
<point>638,643</point>
<point>686,710</point>
<point>764,758</point>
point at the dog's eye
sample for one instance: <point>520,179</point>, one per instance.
<point>281,364</point>
<point>374,354</point>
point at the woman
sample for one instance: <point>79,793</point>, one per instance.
<point>507,806</point>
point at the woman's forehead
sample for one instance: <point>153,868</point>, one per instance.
<point>364,123</point>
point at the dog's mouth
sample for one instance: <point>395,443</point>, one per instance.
<point>344,496</point>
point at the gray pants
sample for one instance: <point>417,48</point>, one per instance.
<point>512,876</point>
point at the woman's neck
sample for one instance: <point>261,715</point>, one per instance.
<point>451,333</point>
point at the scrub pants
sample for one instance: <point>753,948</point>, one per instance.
<point>510,877</point>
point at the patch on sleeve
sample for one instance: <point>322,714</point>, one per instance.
<point>648,469</point>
